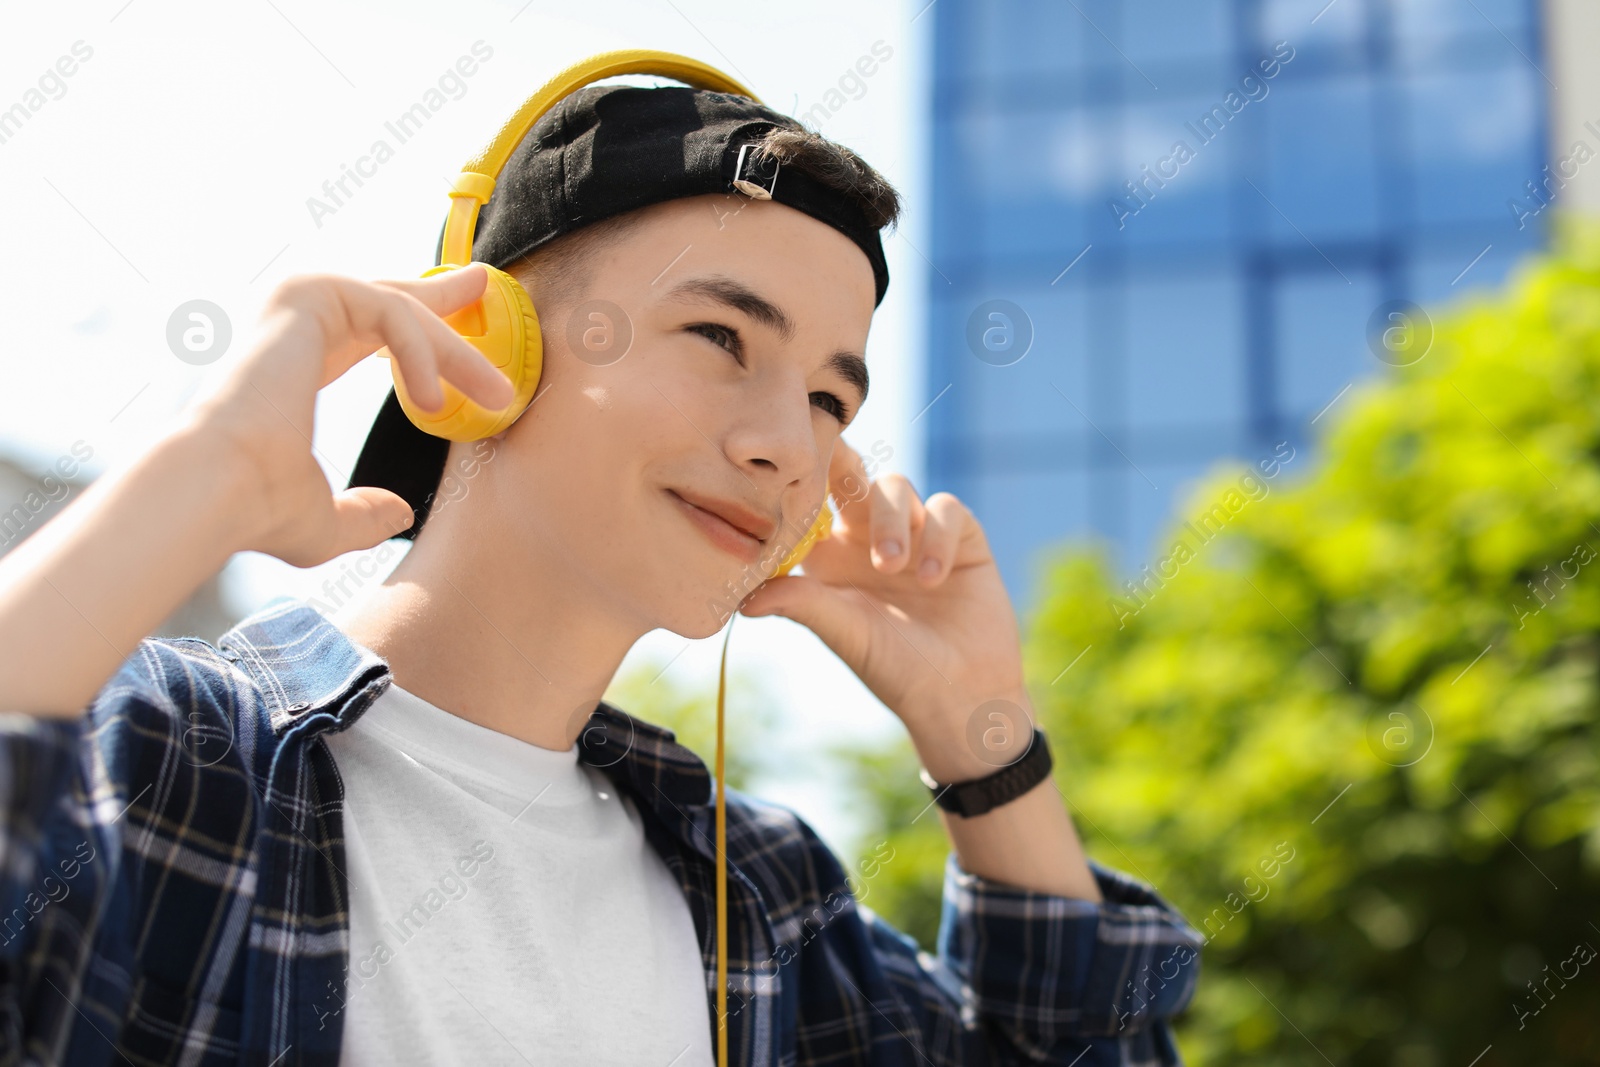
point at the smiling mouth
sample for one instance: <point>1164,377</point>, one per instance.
<point>720,531</point>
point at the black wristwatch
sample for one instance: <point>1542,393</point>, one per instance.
<point>978,795</point>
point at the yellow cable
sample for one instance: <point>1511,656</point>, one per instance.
<point>722,864</point>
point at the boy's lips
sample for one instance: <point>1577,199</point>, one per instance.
<point>724,523</point>
<point>746,520</point>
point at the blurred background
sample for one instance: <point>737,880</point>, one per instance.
<point>1262,335</point>
<point>1198,206</point>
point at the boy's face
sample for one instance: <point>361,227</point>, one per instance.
<point>623,432</point>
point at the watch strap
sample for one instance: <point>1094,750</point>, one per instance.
<point>978,795</point>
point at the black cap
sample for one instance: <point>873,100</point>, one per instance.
<point>599,152</point>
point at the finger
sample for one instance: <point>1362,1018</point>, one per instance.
<point>941,537</point>
<point>460,363</point>
<point>897,516</point>
<point>447,291</point>
<point>426,347</point>
<point>848,483</point>
<point>830,612</point>
<point>367,516</point>
<point>409,346</point>
<point>366,309</point>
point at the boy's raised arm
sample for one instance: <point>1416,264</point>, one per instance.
<point>236,473</point>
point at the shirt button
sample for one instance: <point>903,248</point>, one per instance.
<point>298,707</point>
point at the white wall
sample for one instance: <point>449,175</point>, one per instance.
<point>1572,36</point>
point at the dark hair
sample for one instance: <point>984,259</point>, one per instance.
<point>559,270</point>
<point>835,166</point>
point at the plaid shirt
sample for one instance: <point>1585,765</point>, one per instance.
<point>172,890</point>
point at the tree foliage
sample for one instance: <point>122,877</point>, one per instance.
<point>1386,670</point>
<point>1352,736</point>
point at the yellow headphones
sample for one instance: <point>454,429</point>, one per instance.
<point>504,326</point>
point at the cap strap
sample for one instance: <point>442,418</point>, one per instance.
<point>488,163</point>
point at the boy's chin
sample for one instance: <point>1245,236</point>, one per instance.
<point>702,617</point>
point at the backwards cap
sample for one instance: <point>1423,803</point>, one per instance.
<point>602,151</point>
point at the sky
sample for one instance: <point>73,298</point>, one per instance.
<point>178,148</point>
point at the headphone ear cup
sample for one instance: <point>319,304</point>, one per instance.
<point>819,529</point>
<point>505,328</point>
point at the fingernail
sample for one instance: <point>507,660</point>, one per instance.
<point>929,568</point>
<point>889,547</point>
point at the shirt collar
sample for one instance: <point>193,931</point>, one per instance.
<point>310,672</point>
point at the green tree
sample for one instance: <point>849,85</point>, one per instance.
<point>900,844</point>
<point>1352,735</point>
<point>1386,671</point>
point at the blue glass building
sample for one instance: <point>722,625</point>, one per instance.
<point>1161,228</point>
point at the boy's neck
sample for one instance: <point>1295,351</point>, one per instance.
<point>529,657</point>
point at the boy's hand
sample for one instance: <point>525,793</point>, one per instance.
<point>236,473</point>
<point>314,328</point>
<point>942,651</point>
<point>936,648</point>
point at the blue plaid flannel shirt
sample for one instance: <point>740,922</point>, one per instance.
<point>171,891</point>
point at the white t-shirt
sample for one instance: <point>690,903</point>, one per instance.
<point>504,897</point>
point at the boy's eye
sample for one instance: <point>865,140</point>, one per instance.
<point>727,337</point>
<point>718,334</point>
<point>830,403</point>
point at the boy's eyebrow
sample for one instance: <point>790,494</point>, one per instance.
<point>853,368</point>
<point>719,289</point>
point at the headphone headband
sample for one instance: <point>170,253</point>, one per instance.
<point>474,185</point>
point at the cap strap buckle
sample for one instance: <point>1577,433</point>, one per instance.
<point>755,189</point>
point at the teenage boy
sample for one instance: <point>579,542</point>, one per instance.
<point>420,836</point>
